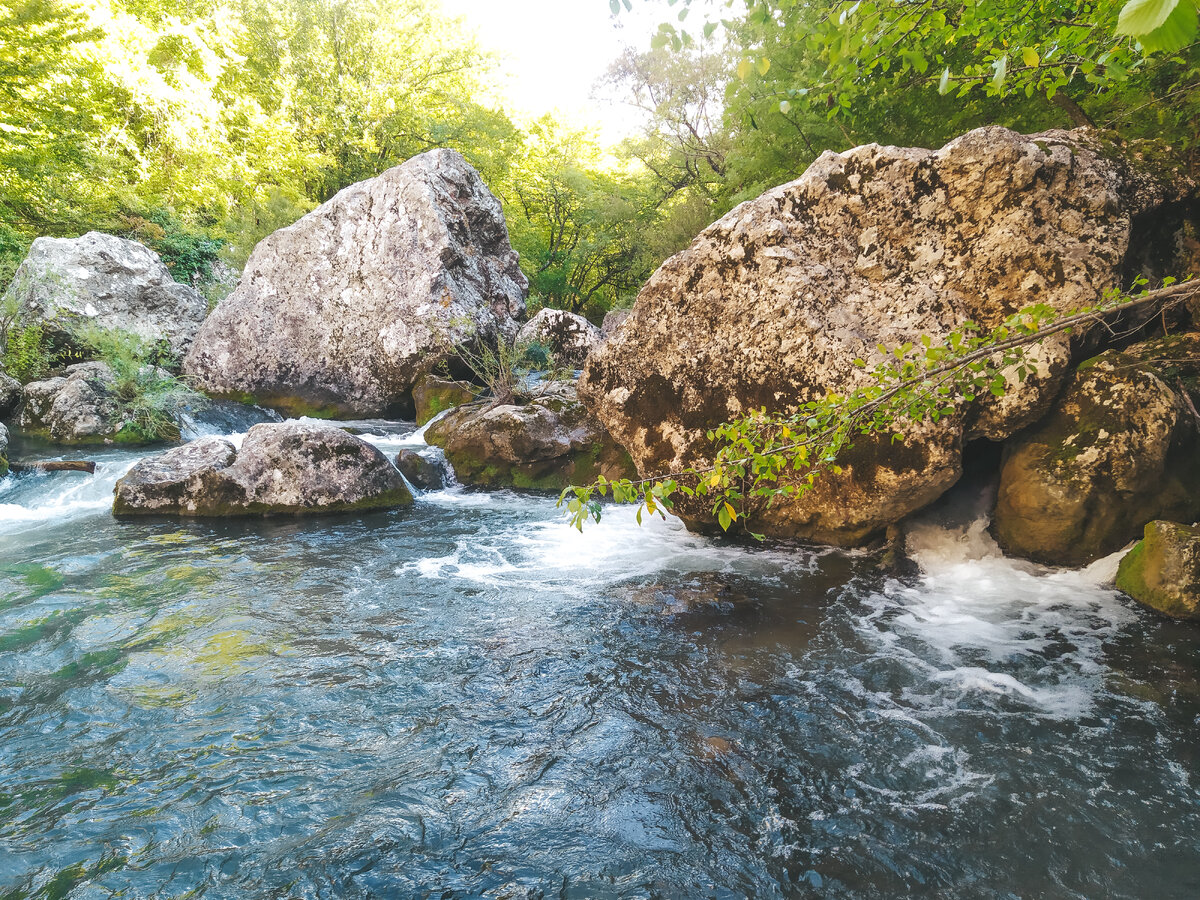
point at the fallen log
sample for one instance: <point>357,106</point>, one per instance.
<point>55,465</point>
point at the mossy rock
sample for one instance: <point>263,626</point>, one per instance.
<point>1162,571</point>
<point>433,396</point>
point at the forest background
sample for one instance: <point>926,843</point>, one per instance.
<point>201,126</point>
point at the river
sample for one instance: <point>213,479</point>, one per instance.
<point>470,699</point>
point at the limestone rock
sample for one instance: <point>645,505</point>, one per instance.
<point>1119,449</point>
<point>570,337</point>
<point>11,396</point>
<point>546,444</point>
<point>108,282</point>
<point>1162,571</point>
<point>613,319</point>
<point>281,469</point>
<point>433,395</point>
<point>342,312</point>
<point>770,306</point>
<point>422,473</point>
<point>3,450</point>
<point>79,407</point>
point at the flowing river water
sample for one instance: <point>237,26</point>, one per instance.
<point>470,699</point>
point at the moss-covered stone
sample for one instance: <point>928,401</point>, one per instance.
<point>544,445</point>
<point>1163,570</point>
<point>433,395</point>
<point>1119,449</point>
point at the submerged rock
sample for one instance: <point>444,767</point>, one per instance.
<point>1119,449</point>
<point>108,282</point>
<point>770,306</point>
<point>547,444</point>
<point>570,337</point>
<point>1162,571</point>
<point>433,395</point>
<point>422,473</point>
<point>343,311</point>
<point>12,395</point>
<point>281,469</point>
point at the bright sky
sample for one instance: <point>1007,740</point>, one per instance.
<point>554,50</point>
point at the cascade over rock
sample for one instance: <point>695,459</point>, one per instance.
<point>1120,448</point>
<point>281,469</point>
<point>770,306</point>
<point>546,444</point>
<point>108,282</point>
<point>342,311</point>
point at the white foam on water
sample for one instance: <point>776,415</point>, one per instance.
<point>32,499</point>
<point>977,624</point>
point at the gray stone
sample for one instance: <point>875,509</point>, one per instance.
<point>422,473</point>
<point>546,444</point>
<point>341,312</point>
<point>570,337</point>
<point>433,395</point>
<point>281,469</point>
<point>12,395</point>
<point>79,407</point>
<point>3,450</point>
<point>1163,570</point>
<point>613,319</point>
<point>108,282</point>
<point>1119,449</point>
<point>770,306</point>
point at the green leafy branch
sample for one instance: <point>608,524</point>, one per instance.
<point>766,455</point>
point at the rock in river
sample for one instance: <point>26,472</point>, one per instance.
<point>546,444</point>
<point>1119,448</point>
<point>280,469</point>
<point>570,337</point>
<point>771,305</point>
<point>1163,570</point>
<point>106,281</point>
<point>342,311</point>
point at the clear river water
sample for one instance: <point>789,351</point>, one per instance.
<point>470,699</point>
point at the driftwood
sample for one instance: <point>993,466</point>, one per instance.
<point>65,465</point>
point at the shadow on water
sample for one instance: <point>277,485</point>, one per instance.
<point>469,699</point>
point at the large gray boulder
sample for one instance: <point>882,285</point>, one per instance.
<point>281,469</point>
<point>1119,448</point>
<point>569,336</point>
<point>108,282</point>
<point>341,312</point>
<point>3,450</point>
<point>770,306</point>
<point>546,444</point>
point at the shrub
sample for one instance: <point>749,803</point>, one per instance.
<point>27,355</point>
<point>188,254</point>
<point>150,399</point>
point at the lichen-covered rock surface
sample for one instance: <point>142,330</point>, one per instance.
<point>78,407</point>
<point>1119,449</point>
<point>422,473</point>
<point>433,395</point>
<point>108,282</point>
<point>546,444</point>
<point>341,312</point>
<point>1162,571</point>
<point>570,337</point>
<point>770,306</point>
<point>280,469</point>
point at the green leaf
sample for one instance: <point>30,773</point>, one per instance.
<point>615,6</point>
<point>1030,57</point>
<point>1159,24</point>
<point>785,107</point>
<point>1001,72</point>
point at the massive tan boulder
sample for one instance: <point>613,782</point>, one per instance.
<point>770,306</point>
<point>1120,448</point>
<point>287,468</point>
<point>342,311</point>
